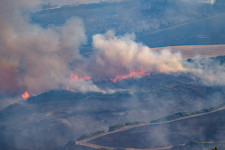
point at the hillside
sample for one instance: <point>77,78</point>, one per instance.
<point>200,32</point>
<point>203,129</point>
<point>75,114</point>
<point>112,74</point>
<point>155,23</point>
<point>67,115</point>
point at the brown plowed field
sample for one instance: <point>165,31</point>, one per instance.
<point>190,51</point>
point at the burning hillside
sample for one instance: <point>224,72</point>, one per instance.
<point>132,74</point>
<point>25,95</point>
<point>40,59</point>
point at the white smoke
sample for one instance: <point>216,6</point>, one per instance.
<point>210,72</point>
<point>117,54</point>
<point>33,58</point>
<point>37,59</point>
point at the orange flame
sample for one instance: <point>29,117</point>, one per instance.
<point>71,90</point>
<point>74,77</point>
<point>130,75</point>
<point>25,95</point>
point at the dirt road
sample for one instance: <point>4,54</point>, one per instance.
<point>86,143</point>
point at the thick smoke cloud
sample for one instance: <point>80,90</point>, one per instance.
<point>37,59</point>
<point>118,55</point>
<point>33,58</point>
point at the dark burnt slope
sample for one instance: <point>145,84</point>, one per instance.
<point>209,127</point>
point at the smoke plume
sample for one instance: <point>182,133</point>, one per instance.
<point>33,58</point>
<point>117,55</point>
<point>37,59</point>
<point>120,55</point>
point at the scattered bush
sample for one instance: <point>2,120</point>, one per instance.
<point>184,114</point>
<point>118,126</point>
<point>85,136</point>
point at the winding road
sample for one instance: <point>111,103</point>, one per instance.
<point>86,143</point>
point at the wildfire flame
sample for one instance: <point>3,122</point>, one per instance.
<point>130,75</point>
<point>71,90</point>
<point>74,77</point>
<point>25,95</point>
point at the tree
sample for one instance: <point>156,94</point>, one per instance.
<point>215,148</point>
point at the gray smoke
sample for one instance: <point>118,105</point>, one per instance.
<point>37,59</point>
<point>33,58</point>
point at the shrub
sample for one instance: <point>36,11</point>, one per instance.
<point>85,136</point>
